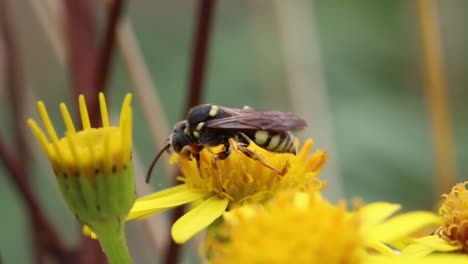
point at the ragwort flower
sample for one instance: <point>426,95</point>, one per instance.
<point>94,171</point>
<point>294,227</point>
<point>302,227</point>
<point>241,180</point>
<point>452,235</point>
<point>454,211</point>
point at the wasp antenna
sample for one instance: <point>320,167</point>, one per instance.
<point>155,160</point>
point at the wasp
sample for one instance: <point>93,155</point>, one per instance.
<point>210,125</point>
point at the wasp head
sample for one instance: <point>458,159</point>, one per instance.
<point>181,136</point>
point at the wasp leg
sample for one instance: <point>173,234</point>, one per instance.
<point>220,156</point>
<point>192,150</point>
<point>211,151</point>
<point>196,155</point>
<point>186,152</point>
<point>242,147</point>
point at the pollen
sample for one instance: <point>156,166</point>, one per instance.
<point>294,227</point>
<point>243,180</point>
<point>454,212</point>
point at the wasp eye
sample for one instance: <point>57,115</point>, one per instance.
<point>180,138</point>
<point>180,126</point>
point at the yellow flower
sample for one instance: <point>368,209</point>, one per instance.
<point>452,235</point>
<point>90,151</point>
<point>454,211</point>
<point>241,180</point>
<point>295,227</point>
<point>302,227</point>
<point>431,259</point>
<point>94,171</point>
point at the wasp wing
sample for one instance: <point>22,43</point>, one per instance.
<point>257,120</point>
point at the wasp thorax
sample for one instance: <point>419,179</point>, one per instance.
<point>181,136</point>
<point>201,113</point>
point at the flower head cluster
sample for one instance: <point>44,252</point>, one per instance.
<point>294,227</point>
<point>454,212</point>
<point>244,180</point>
<point>93,165</point>
<point>94,171</point>
<point>303,227</point>
<point>268,217</point>
<point>236,181</point>
<point>452,235</point>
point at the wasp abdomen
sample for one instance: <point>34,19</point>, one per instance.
<point>274,141</point>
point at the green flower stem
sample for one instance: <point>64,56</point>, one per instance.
<point>111,236</point>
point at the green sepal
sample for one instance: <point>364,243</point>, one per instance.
<point>102,202</point>
<point>102,197</point>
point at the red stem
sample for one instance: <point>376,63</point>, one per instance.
<point>199,53</point>
<point>82,52</point>
<point>47,238</point>
<point>44,238</point>
<point>104,61</point>
<point>90,72</point>
<point>15,85</point>
<point>203,29</point>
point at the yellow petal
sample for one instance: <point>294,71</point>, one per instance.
<point>164,192</point>
<point>67,119</point>
<point>151,204</point>
<point>417,250</point>
<point>431,259</point>
<point>168,201</point>
<point>40,136</point>
<point>426,245</point>
<point>375,213</point>
<point>104,113</point>
<point>382,248</point>
<point>84,112</point>
<point>403,225</point>
<point>142,214</point>
<point>198,218</point>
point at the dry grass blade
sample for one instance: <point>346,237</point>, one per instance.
<point>437,97</point>
<point>306,84</point>
<point>145,88</point>
<point>157,226</point>
<point>50,15</point>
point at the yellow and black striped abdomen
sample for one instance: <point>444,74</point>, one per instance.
<point>274,141</point>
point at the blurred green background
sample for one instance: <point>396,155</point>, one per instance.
<point>375,114</point>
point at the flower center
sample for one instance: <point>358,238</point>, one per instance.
<point>90,151</point>
<point>292,228</point>
<point>242,179</point>
<point>454,211</point>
